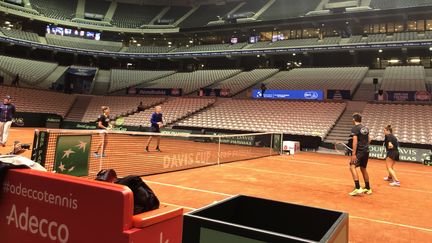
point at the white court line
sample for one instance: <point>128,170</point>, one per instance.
<point>180,206</point>
<point>189,188</point>
<point>224,194</point>
<point>314,177</point>
<point>391,223</point>
<point>304,161</point>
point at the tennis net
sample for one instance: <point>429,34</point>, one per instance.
<point>73,151</point>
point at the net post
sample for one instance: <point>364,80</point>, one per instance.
<point>104,138</point>
<point>281,143</point>
<point>271,143</point>
<point>219,150</point>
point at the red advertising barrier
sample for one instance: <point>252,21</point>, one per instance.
<point>45,207</point>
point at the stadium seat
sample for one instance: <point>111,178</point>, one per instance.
<point>296,118</point>
<point>345,78</point>
<point>76,210</point>
<point>411,123</point>
<point>118,105</point>
<point>192,81</point>
<point>122,78</point>
<point>39,101</point>
<point>404,78</point>
<point>173,110</point>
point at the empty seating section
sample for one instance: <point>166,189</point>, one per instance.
<point>345,78</point>
<point>251,6</point>
<point>19,34</point>
<point>258,45</point>
<point>206,13</point>
<point>63,10</point>
<point>176,12</point>
<point>39,101</point>
<point>192,81</point>
<point>213,47</point>
<point>122,78</point>
<point>411,123</point>
<point>244,80</point>
<point>282,9</point>
<point>29,71</point>
<point>389,4</point>
<point>80,43</point>
<point>173,110</point>
<point>404,78</point>
<point>300,118</point>
<point>119,105</point>
<point>134,16</point>
<point>149,49</point>
<point>96,7</point>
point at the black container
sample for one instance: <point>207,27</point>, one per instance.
<point>244,219</point>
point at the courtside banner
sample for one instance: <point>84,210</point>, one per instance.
<point>72,155</point>
<point>145,91</point>
<point>289,94</point>
<point>405,154</point>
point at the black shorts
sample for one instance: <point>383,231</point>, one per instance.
<point>393,154</point>
<point>362,159</point>
<point>154,129</point>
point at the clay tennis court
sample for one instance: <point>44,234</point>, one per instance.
<point>388,215</point>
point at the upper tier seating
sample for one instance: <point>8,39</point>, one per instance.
<point>211,47</point>
<point>38,101</point>
<point>411,123</point>
<point>29,71</point>
<point>149,49</point>
<point>206,13</point>
<point>192,81</point>
<point>404,78</point>
<point>19,34</point>
<point>345,78</point>
<point>390,4</point>
<point>80,43</point>
<point>133,15</point>
<point>284,9</point>
<point>63,10</point>
<point>292,117</point>
<point>122,78</point>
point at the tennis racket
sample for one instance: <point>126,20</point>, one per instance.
<point>19,122</point>
<point>342,148</point>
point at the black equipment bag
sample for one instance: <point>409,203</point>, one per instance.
<point>144,197</point>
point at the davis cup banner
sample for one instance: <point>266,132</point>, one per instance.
<point>72,155</point>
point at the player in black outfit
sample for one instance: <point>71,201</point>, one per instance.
<point>103,123</point>
<point>360,155</point>
<point>392,146</point>
<point>156,124</point>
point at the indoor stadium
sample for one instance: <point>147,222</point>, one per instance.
<point>215,121</point>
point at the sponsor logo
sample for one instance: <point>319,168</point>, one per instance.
<point>311,95</point>
<point>422,96</point>
<point>24,221</point>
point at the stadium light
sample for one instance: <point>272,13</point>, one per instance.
<point>430,48</point>
<point>380,50</point>
<point>294,54</point>
<point>415,60</point>
<point>393,61</point>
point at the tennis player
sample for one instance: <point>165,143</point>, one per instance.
<point>360,155</point>
<point>392,146</point>
<point>156,124</point>
<point>7,113</point>
<point>103,123</point>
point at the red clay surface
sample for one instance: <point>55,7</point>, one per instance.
<point>388,215</point>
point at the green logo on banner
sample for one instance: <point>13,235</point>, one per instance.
<point>72,155</point>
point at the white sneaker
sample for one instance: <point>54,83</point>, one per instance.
<point>395,183</point>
